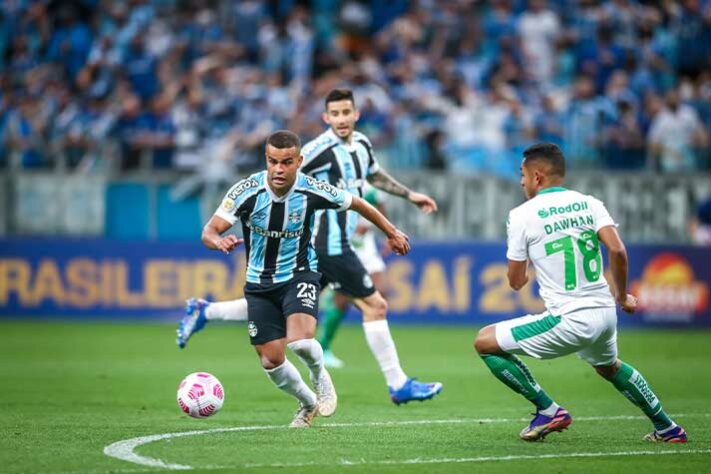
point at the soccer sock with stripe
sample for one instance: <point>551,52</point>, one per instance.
<point>311,354</point>
<point>235,310</point>
<point>632,385</point>
<point>288,379</point>
<point>515,374</point>
<point>330,321</point>
<point>381,344</point>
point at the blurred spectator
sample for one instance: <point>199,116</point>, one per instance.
<point>584,120</point>
<point>676,132</point>
<point>539,29</point>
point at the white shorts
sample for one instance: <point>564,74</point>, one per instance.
<point>591,333</point>
<point>369,255</point>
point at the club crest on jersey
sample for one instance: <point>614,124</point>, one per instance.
<point>295,217</point>
<point>252,329</point>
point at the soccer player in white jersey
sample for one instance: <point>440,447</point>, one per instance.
<point>559,231</point>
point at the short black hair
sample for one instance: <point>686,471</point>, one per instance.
<point>548,153</point>
<point>339,94</point>
<point>284,139</point>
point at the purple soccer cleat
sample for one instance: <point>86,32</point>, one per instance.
<point>542,425</point>
<point>674,435</point>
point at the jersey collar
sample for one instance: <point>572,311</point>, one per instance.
<point>554,189</point>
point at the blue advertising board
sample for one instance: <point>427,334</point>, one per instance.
<point>437,283</point>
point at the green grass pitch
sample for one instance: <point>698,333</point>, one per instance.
<point>70,389</point>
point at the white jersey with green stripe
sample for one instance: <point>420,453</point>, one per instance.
<point>557,232</point>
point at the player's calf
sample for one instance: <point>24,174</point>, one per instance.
<point>630,383</point>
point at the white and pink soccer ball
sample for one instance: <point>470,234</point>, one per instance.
<point>200,395</point>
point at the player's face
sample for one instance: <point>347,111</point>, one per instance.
<point>342,116</point>
<point>282,166</point>
<point>528,181</point>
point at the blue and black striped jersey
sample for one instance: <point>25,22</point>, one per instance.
<point>346,166</point>
<point>277,230</point>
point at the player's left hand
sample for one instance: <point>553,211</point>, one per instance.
<point>399,242</point>
<point>424,202</point>
<point>629,305</point>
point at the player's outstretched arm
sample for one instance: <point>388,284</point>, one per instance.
<point>212,235</point>
<point>617,256</point>
<point>397,240</point>
<point>383,181</point>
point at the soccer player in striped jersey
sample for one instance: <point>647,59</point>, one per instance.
<point>560,231</point>
<point>334,305</point>
<point>344,158</point>
<point>277,210</point>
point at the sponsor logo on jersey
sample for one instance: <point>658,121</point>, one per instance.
<point>350,183</point>
<point>252,329</point>
<point>669,291</point>
<point>275,234</point>
<point>241,187</point>
<point>321,186</point>
<point>558,210</point>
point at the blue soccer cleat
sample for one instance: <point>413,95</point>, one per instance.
<point>674,435</point>
<point>193,321</point>
<point>414,390</point>
<point>542,425</point>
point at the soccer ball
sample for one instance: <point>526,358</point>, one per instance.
<point>200,395</point>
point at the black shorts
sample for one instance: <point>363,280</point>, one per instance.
<point>268,307</point>
<point>346,274</point>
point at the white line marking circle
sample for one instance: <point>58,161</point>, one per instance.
<point>124,450</point>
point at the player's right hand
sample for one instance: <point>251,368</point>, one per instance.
<point>228,243</point>
<point>629,304</point>
<point>399,242</point>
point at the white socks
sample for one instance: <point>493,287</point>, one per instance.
<point>377,333</point>
<point>235,310</point>
<point>311,353</point>
<point>288,379</point>
<point>551,410</point>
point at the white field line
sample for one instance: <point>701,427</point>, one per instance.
<point>124,450</point>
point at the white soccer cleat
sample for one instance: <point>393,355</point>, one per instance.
<point>304,416</point>
<point>326,394</point>
<point>330,361</point>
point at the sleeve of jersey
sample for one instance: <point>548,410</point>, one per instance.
<point>373,166</point>
<point>230,204</point>
<point>331,196</point>
<point>516,245</point>
<point>602,217</point>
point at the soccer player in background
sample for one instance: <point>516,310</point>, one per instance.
<point>559,231</point>
<point>277,209</point>
<point>344,158</point>
<point>334,305</point>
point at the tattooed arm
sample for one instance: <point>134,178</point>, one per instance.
<point>383,181</point>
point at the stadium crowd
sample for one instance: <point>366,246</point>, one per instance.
<point>456,84</point>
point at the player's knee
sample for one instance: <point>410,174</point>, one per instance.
<point>376,309</point>
<point>271,359</point>
<point>608,372</point>
<point>485,341</point>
